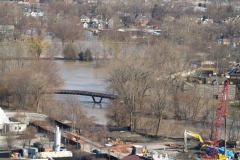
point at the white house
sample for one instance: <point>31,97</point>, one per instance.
<point>6,28</point>
<point>85,25</point>
<point>84,19</point>
<point>95,20</point>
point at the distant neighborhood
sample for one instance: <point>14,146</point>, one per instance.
<point>157,68</point>
<point>39,11</point>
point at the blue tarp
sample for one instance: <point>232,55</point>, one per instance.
<point>219,150</point>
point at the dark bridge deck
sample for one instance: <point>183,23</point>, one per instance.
<point>84,93</point>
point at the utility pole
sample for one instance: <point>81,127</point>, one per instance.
<point>225,135</point>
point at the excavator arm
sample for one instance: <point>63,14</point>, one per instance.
<point>189,133</point>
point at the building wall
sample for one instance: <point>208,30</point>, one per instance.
<point>32,1</point>
<point>15,127</point>
<point>68,1</point>
<point>238,77</point>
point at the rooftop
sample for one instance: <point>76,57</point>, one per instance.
<point>235,72</point>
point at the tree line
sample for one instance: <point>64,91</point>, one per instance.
<point>140,71</point>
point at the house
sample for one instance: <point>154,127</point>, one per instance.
<point>208,72</point>
<point>109,24</point>
<point>93,25</point>
<point>95,20</point>
<point>141,20</point>
<point>235,73</point>
<point>226,41</point>
<point>84,19</point>
<point>207,21</point>
<point>36,14</point>
<point>85,25</point>
<point>32,1</point>
<point>93,2</point>
<point>68,1</point>
<point>6,28</point>
<point>207,61</point>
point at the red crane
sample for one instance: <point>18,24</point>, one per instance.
<point>219,117</point>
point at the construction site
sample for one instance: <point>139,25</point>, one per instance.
<point>68,143</point>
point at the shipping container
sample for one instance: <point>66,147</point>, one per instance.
<point>32,151</point>
<point>6,154</point>
<point>54,154</point>
<point>24,152</point>
<point>47,149</point>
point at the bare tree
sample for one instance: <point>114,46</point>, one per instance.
<point>45,75</point>
<point>19,86</point>
<point>74,111</point>
<point>191,104</point>
<point>9,140</point>
<point>27,136</point>
<point>68,30</point>
<point>116,114</point>
<point>131,82</point>
<point>105,11</point>
<point>20,25</point>
<point>159,100</point>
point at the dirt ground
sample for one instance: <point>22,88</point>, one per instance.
<point>172,146</point>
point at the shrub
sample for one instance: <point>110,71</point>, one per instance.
<point>69,52</point>
<point>85,56</point>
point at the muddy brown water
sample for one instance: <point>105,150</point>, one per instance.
<point>84,76</point>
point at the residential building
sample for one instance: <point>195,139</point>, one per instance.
<point>84,19</point>
<point>141,20</point>
<point>85,25</point>
<point>235,73</point>
<point>32,1</point>
<point>68,1</point>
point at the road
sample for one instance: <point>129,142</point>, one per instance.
<point>26,117</point>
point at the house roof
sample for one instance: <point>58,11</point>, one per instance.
<point>7,27</point>
<point>226,40</point>
<point>235,72</point>
<point>141,17</point>
<point>209,69</point>
<point>83,16</point>
<point>133,157</point>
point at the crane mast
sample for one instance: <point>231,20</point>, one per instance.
<point>218,120</point>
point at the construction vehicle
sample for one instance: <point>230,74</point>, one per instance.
<point>146,150</point>
<point>195,135</point>
<point>117,141</point>
<point>215,150</point>
<point>218,121</point>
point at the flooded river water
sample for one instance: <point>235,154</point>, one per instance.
<point>84,76</point>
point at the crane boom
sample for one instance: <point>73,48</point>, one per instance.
<point>218,120</point>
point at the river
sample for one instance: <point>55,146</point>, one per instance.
<point>84,76</point>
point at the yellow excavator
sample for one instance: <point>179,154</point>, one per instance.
<point>219,156</point>
<point>195,135</point>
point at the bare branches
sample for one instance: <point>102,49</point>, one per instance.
<point>9,140</point>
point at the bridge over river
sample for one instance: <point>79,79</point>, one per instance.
<point>84,93</point>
